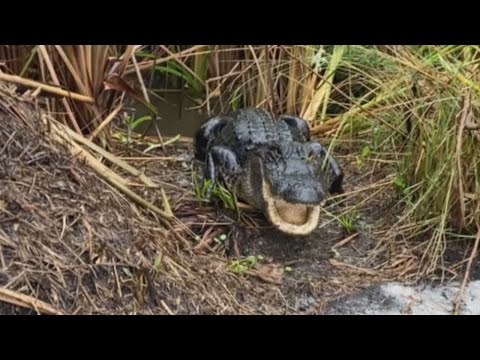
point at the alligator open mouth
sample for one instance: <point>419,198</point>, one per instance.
<point>294,219</point>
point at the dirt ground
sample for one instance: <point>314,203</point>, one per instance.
<point>318,270</point>
<point>73,242</point>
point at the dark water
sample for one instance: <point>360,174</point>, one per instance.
<point>179,115</point>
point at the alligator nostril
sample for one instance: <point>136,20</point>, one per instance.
<point>305,195</point>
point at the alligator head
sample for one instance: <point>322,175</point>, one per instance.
<point>288,188</point>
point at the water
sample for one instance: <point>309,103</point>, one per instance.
<point>179,115</point>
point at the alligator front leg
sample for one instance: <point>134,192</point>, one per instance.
<point>221,161</point>
<point>206,133</point>
<point>334,171</point>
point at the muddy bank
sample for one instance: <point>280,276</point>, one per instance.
<point>75,242</point>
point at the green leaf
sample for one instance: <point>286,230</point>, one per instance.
<point>399,183</point>
<point>365,151</point>
<point>157,263</point>
<point>127,272</point>
<point>140,120</point>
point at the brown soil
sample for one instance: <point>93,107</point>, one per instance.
<point>69,239</point>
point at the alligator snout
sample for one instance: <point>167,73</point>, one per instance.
<point>304,194</point>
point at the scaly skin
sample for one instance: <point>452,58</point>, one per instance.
<point>272,166</point>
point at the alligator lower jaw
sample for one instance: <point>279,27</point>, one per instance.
<point>293,219</point>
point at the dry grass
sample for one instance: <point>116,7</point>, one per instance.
<point>71,243</point>
<point>413,108</point>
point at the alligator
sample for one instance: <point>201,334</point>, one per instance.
<point>271,165</point>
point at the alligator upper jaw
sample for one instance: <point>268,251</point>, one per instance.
<point>293,219</point>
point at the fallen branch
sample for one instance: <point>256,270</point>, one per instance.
<point>105,122</point>
<point>207,238</point>
<point>344,241</point>
<point>458,301</point>
<point>326,126</point>
<point>110,176</point>
<point>29,302</point>
<point>51,89</point>
<point>78,152</point>
<point>339,264</point>
<point>107,155</point>
<point>167,309</point>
